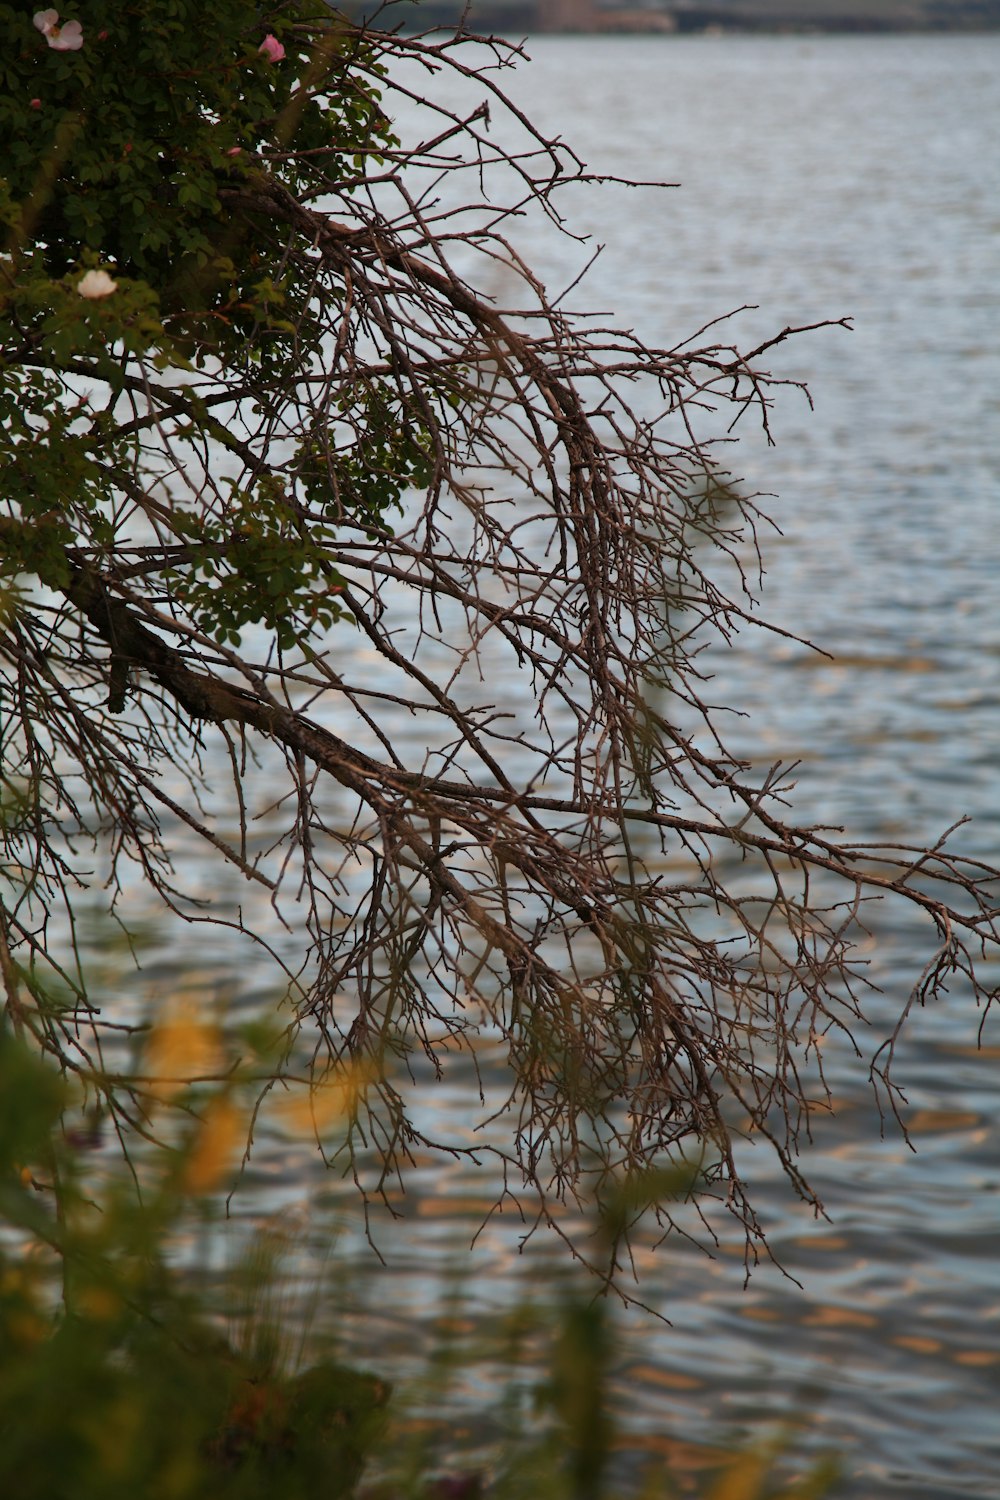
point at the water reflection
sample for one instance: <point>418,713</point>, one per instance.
<point>845,176</point>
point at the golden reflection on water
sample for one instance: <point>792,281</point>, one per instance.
<point>958,1049</point>
<point>684,1460</point>
<point>455,1208</point>
<point>671,1380</point>
<point>839,1317</point>
<point>936,1120</point>
<point>862,661</point>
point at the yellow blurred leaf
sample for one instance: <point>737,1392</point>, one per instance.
<point>309,1110</point>
<point>99,1303</point>
<point>223,1129</point>
<point>182,1047</point>
<point>25,1328</point>
<point>742,1480</point>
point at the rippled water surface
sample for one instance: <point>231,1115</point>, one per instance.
<point>821,178</point>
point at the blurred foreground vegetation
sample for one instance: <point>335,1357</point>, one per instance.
<point>121,1376</point>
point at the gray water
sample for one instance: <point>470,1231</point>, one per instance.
<point>820,178</point>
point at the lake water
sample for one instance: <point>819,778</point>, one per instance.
<point>821,178</point>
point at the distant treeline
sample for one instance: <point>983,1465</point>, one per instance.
<point>835,15</point>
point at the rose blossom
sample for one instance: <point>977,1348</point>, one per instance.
<point>271,48</point>
<point>67,38</point>
<point>96,284</point>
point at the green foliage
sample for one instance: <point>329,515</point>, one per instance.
<point>119,265</point>
<point>254,562</point>
<point>118,148</point>
<point>117,1378</point>
<point>115,1381</point>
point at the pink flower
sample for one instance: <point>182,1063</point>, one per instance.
<point>271,48</point>
<point>34,103</point>
<point>235,151</point>
<point>68,38</point>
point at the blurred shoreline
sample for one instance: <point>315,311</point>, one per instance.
<point>693,17</point>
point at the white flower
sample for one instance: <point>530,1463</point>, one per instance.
<point>96,284</point>
<point>68,38</point>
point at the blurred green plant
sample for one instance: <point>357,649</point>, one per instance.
<point>116,1378</point>
<point>120,1378</point>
